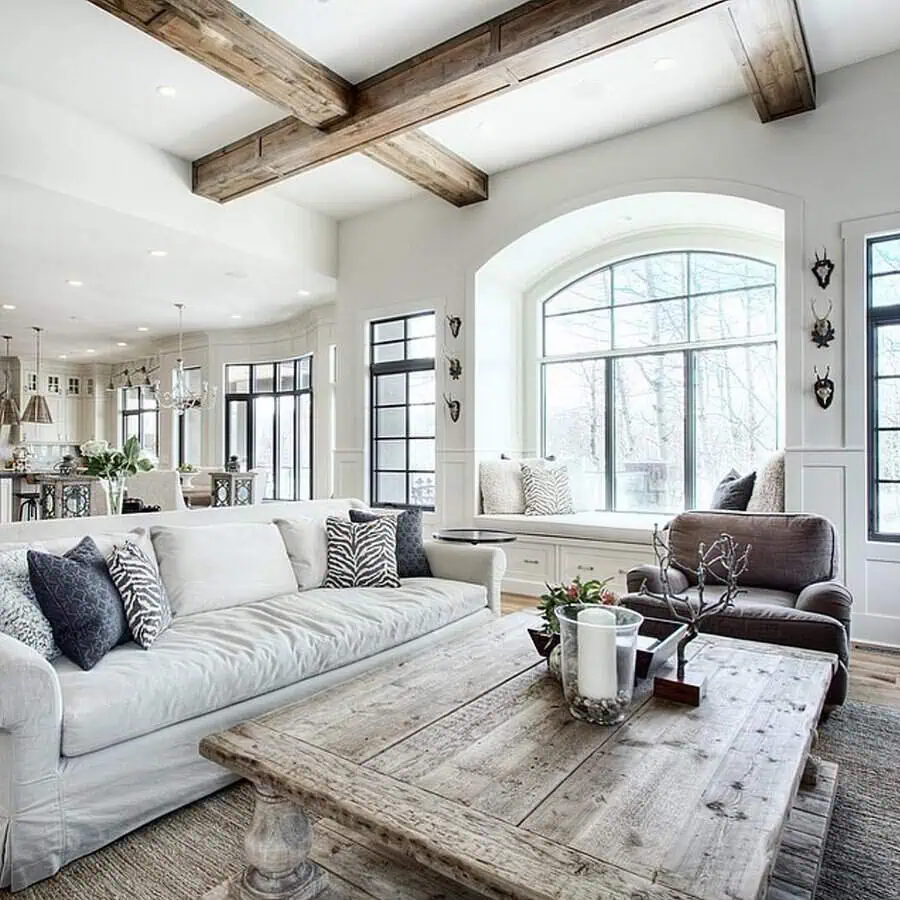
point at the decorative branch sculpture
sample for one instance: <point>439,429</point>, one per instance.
<point>722,563</point>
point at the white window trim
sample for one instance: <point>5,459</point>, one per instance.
<point>714,240</point>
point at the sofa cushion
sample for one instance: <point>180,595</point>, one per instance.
<point>78,597</point>
<point>362,554</point>
<point>143,594</point>
<point>207,567</point>
<point>788,551</point>
<point>211,660</point>
<point>20,616</point>
<point>410,548</point>
<point>305,542</point>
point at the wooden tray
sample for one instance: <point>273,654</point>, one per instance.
<point>665,635</point>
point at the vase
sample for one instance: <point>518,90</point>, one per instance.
<point>598,650</point>
<point>115,494</point>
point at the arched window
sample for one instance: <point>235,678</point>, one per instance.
<point>659,375</point>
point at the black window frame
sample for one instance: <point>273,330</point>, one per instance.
<point>144,393</point>
<point>689,350</point>
<point>876,317</point>
<point>297,392</point>
<point>403,366</point>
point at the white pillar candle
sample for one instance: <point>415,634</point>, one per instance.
<point>597,654</point>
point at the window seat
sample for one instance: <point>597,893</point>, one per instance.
<point>626,528</point>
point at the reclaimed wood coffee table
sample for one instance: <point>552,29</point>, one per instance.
<point>460,774</point>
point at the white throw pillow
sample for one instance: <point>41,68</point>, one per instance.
<point>306,545</point>
<point>501,487</point>
<point>547,491</point>
<point>209,567</point>
<point>768,489</point>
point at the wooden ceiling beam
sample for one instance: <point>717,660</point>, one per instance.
<point>525,43</point>
<point>222,37</point>
<point>225,39</point>
<point>770,47</point>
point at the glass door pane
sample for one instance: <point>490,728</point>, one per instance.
<point>286,451</point>
<point>237,431</point>
<point>264,441</point>
<point>304,440</point>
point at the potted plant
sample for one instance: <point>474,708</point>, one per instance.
<point>577,591</point>
<point>186,472</point>
<point>113,467</point>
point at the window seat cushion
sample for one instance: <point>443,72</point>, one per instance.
<point>634,528</point>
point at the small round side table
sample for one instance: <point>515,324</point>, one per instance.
<point>473,536</point>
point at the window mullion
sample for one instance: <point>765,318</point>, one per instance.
<point>610,431</point>
<point>690,432</point>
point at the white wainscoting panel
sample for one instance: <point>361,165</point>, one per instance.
<point>824,493</point>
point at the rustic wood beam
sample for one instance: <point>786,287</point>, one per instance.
<point>219,35</point>
<point>525,43</point>
<point>770,47</point>
<point>422,160</point>
<point>225,39</point>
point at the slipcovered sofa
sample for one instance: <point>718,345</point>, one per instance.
<point>86,756</point>
<point>792,596</point>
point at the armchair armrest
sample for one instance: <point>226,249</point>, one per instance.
<point>475,564</point>
<point>649,574</point>
<point>828,598</point>
<point>30,740</point>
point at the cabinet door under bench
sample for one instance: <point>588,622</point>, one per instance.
<point>600,561</point>
<point>530,563</point>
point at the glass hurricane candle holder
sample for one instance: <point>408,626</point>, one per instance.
<point>599,647</point>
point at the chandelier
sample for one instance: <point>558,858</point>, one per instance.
<point>182,397</point>
<point>130,378</point>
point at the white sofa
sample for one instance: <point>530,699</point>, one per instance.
<point>88,756</point>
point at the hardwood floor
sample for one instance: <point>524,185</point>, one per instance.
<point>874,673</point>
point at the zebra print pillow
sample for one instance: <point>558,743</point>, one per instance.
<point>142,591</point>
<point>361,554</point>
<point>546,489</point>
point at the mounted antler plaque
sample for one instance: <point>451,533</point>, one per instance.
<point>822,330</point>
<point>823,387</point>
<point>822,269</point>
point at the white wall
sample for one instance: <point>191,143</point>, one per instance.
<point>822,169</point>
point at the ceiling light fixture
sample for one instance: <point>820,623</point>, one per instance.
<point>74,282</point>
<point>143,328</point>
<point>166,90</point>
<point>236,316</point>
<point>90,351</point>
<point>9,306</point>
<point>62,356</point>
<point>158,252</point>
<point>182,397</point>
<point>303,293</point>
<point>663,64</point>
<point>121,344</point>
<point>37,412</point>
<point>9,408</point>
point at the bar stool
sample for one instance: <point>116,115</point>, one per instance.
<point>29,508</point>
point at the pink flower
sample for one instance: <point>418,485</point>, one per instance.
<point>609,598</point>
<point>572,591</point>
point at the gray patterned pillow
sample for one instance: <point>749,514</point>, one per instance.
<point>412,561</point>
<point>547,491</point>
<point>20,616</point>
<point>361,554</point>
<point>143,594</point>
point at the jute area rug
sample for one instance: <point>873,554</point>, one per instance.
<point>184,854</point>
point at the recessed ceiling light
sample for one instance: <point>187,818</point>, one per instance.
<point>90,351</point>
<point>235,315</point>
<point>236,274</point>
<point>121,344</point>
<point>166,90</point>
<point>158,252</point>
<point>63,356</point>
<point>663,64</point>
<point>9,306</point>
<point>143,328</point>
<point>74,282</point>
<point>302,293</point>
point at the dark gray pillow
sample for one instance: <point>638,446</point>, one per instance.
<point>733,491</point>
<point>78,597</point>
<point>411,559</point>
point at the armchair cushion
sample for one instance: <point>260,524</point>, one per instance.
<point>648,575</point>
<point>828,598</point>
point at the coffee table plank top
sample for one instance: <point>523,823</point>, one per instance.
<point>466,760</point>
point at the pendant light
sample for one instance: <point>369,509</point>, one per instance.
<point>181,397</point>
<point>37,412</point>
<point>9,408</point>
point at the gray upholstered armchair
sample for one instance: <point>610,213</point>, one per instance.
<point>792,596</point>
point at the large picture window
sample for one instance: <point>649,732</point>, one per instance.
<point>402,392</point>
<point>269,424</point>
<point>883,277</point>
<point>140,417</point>
<point>659,374</point>
<point>190,424</point>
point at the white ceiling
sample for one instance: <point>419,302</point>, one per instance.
<point>48,238</point>
<point>79,56</point>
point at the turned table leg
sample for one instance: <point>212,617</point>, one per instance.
<point>276,849</point>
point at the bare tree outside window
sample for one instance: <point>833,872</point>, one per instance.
<point>659,374</point>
